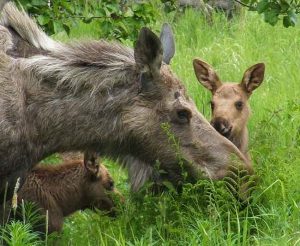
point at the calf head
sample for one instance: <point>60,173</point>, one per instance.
<point>99,184</point>
<point>229,104</point>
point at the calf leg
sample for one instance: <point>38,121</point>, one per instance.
<point>55,220</point>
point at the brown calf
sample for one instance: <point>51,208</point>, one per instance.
<point>229,104</point>
<point>66,188</point>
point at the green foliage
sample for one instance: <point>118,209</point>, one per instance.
<point>21,225</point>
<point>31,214</point>
<point>56,17</point>
<point>52,159</point>
<point>274,10</point>
<point>18,234</point>
<point>115,19</point>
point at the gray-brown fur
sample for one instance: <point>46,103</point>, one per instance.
<point>2,3</point>
<point>14,41</point>
<point>229,7</point>
<point>230,107</point>
<point>201,6</point>
<point>66,188</point>
<point>20,47</point>
<point>117,97</point>
<point>6,40</point>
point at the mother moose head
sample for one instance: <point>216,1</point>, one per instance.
<point>106,97</point>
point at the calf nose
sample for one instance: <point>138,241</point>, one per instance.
<point>222,126</point>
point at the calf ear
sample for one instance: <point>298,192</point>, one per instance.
<point>168,43</point>
<point>91,163</point>
<point>148,57</point>
<point>253,77</point>
<point>206,75</point>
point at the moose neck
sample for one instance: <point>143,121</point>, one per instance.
<point>73,105</point>
<point>77,122</point>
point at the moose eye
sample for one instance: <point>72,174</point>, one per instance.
<point>183,116</point>
<point>212,105</point>
<point>239,105</point>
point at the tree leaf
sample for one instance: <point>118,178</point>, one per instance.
<point>284,6</point>
<point>271,16</point>
<point>286,21</point>
<point>262,6</point>
<point>293,17</point>
<point>57,26</point>
<point>129,13</point>
<point>67,28</point>
<point>43,19</point>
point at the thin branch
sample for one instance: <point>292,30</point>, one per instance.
<point>92,17</point>
<point>83,17</point>
<point>243,4</point>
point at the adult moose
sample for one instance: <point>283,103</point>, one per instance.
<point>118,99</point>
<point>229,104</point>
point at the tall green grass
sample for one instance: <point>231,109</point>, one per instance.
<point>205,214</point>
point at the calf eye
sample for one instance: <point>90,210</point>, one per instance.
<point>184,116</point>
<point>111,185</point>
<point>239,105</point>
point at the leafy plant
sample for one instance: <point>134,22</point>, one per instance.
<point>18,234</point>
<point>116,19</point>
<point>273,10</point>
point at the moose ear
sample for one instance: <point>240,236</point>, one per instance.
<point>148,57</point>
<point>206,75</point>
<point>91,163</point>
<point>253,77</point>
<point>148,52</point>
<point>168,43</point>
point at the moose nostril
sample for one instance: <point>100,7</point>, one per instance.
<point>226,131</point>
<point>222,126</point>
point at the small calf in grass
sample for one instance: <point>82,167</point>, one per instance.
<point>229,104</point>
<point>66,188</point>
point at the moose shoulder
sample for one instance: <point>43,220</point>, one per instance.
<point>118,97</point>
